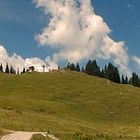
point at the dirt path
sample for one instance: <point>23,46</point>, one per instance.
<point>26,135</point>
<point>18,136</point>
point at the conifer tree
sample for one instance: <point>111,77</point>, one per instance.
<point>106,72</point>
<point>130,81</point>
<point>1,68</point>
<point>116,77</point>
<point>23,71</point>
<point>95,69</point>
<point>77,68</point>
<point>83,69</point>
<point>122,79</point>
<point>102,73</point>
<point>72,67</point>
<point>135,80</point>
<point>92,68</point>
<point>7,68</point>
<point>88,68</point>
<point>126,80</point>
<point>12,71</point>
<point>68,65</point>
<point>109,71</point>
<point>112,73</point>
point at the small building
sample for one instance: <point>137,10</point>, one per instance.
<point>31,68</point>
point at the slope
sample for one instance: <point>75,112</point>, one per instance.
<point>66,104</point>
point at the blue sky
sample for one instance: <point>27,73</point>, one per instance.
<point>123,18</point>
<point>20,21</point>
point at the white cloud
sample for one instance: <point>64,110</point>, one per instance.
<point>3,55</point>
<point>17,62</point>
<point>136,60</point>
<point>78,33</point>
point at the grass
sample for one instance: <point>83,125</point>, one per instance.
<point>66,103</point>
<point>2,133</point>
<point>83,136</point>
<point>98,136</point>
<point>39,137</point>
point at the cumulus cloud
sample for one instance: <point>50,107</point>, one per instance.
<point>3,55</point>
<point>17,62</point>
<point>136,60</point>
<point>78,33</point>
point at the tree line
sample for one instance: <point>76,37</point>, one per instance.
<point>110,72</point>
<point>10,70</point>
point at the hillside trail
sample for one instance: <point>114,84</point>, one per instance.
<point>18,135</point>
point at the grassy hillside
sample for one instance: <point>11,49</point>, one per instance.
<point>69,105</point>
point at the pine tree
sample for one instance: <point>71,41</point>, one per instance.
<point>126,80</point>
<point>110,70</point>
<point>135,80</point>
<point>72,67</point>
<point>102,73</point>
<point>23,71</point>
<point>95,69</point>
<point>122,79</point>
<point>116,75</point>
<point>12,71</point>
<point>68,65</point>
<point>130,81</point>
<point>77,68</point>
<point>112,73</point>
<point>7,68</point>
<point>83,69</point>
<point>88,68</point>
<point>1,68</point>
<point>92,68</point>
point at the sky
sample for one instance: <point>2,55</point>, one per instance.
<point>36,32</point>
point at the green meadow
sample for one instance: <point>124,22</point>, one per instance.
<point>73,106</point>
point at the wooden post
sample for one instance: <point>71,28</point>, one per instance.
<point>43,68</point>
